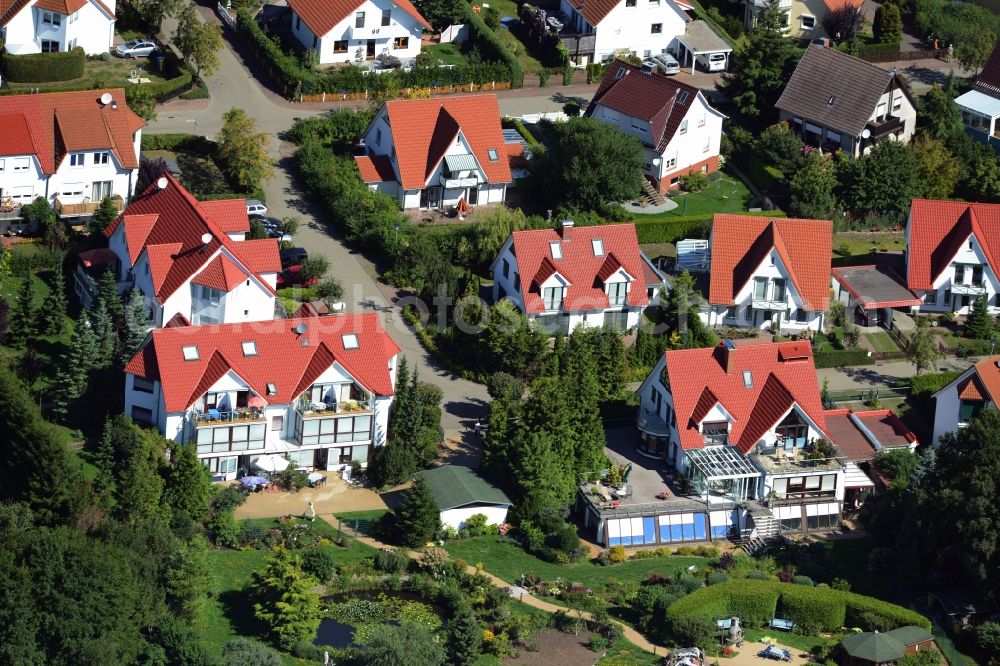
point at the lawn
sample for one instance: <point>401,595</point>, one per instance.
<point>726,194</point>
<point>788,638</point>
<point>113,73</point>
<point>882,341</point>
<point>505,559</point>
<point>199,173</point>
<point>623,653</point>
<point>448,54</point>
<point>859,243</point>
<point>522,51</point>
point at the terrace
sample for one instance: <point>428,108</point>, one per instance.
<point>85,208</point>
<point>214,417</point>
<point>787,461</point>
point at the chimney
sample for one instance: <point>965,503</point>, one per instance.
<point>566,230</point>
<point>727,354</point>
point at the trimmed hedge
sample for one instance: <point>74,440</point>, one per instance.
<point>45,67</point>
<point>878,49</point>
<point>671,230</point>
<point>491,48</point>
<point>931,382</point>
<point>178,141</point>
<point>813,609</point>
<point>838,358</point>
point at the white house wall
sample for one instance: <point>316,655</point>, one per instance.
<point>89,28</point>
<point>455,518</point>
<point>68,179</point>
<point>698,144</point>
<point>402,24</point>
<point>629,29</point>
<point>21,184</point>
<point>970,254</point>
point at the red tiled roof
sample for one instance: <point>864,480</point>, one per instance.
<point>15,139</point>
<point>989,375</point>
<point>971,389</point>
<point>649,96</point>
<point>177,321</point>
<point>96,257</point>
<point>938,229</point>
<point>608,268</point>
<point>230,215</point>
<point>281,357</point>
<point>741,242</point>
<point>65,7</point>
<point>988,81</point>
<point>855,444</point>
<point>322,16</point>
<point>220,273</point>
<point>70,121</point>
<point>375,169</point>
<point>578,265</point>
<point>595,10</point>
<point>170,224</point>
<point>423,129</point>
<point>699,376</point>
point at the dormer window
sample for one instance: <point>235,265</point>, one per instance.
<point>51,18</point>
<point>249,348</point>
<point>833,98</point>
<point>272,389</point>
<point>556,248</point>
<point>553,297</point>
<point>620,73</point>
<point>715,433</point>
<point>493,154</point>
<point>598,245</point>
<point>617,292</point>
<point>190,353</point>
<point>350,340</point>
<point>747,379</point>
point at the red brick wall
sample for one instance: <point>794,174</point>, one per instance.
<point>712,163</point>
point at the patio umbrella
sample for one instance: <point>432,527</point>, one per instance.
<point>256,401</point>
<point>252,481</point>
<point>271,463</point>
<point>462,208</point>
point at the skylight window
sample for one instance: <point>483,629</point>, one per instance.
<point>556,249</point>
<point>620,73</point>
<point>493,154</point>
<point>833,98</point>
<point>747,379</point>
<point>682,96</point>
<point>249,348</point>
<point>272,389</point>
<point>598,247</point>
<point>190,353</point>
<point>350,341</point>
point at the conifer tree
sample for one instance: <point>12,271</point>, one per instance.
<point>464,639</point>
<point>103,216</point>
<point>418,518</point>
<point>136,325</point>
<point>107,293</point>
<point>979,324</point>
<point>52,316</point>
<point>284,600</point>
<point>105,335</point>
<point>75,367</point>
<point>23,318</point>
<point>188,483</point>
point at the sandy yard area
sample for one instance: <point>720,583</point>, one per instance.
<point>335,497</point>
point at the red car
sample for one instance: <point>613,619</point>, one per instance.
<point>292,276</point>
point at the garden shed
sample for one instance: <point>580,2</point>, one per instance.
<point>460,493</point>
<point>873,648</point>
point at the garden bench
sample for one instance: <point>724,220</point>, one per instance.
<point>781,623</point>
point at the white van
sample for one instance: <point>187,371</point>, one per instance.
<point>712,62</point>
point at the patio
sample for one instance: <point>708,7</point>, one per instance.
<point>335,496</point>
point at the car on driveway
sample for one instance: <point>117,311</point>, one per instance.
<point>255,207</point>
<point>666,63</point>
<point>292,256</point>
<point>137,48</point>
<point>292,276</point>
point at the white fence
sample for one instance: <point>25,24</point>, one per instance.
<point>693,255</point>
<point>223,10</point>
<point>457,33</point>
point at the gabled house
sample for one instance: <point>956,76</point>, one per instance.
<point>599,30</point>
<point>315,390</point>
<point>953,253</point>
<point>47,26</point>
<point>773,274</point>
<point>839,102</point>
<point>980,106</point>
<point>803,18</point>
<point>358,30</point>
<point>183,256</point>
<point>591,276</point>
<point>678,128</point>
<point>958,402</point>
<point>430,153</point>
<point>72,148</point>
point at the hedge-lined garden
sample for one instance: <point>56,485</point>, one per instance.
<point>45,67</point>
<point>813,609</point>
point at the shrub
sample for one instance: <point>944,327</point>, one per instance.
<point>811,610</point>
<point>617,554</point>
<point>391,561</point>
<point>543,78</point>
<point>45,67</point>
<point>693,630</point>
<point>875,614</point>
<point>597,643</point>
<point>318,563</point>
<point>757,574</point>
<point>716,578</point>
<point>754,603</point>
<point>838,358</point>
<point>490,46</point>
<point>803,580</point>
<point>695,181</point>
<point>571,109</point>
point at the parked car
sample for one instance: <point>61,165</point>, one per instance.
<point>292,276</point>
<point>137,48</point>
<point>666,63</point>
<point>292,256</point>
<point>266,221</point>
<point>387,61</point>
<point>712,62</point>
<point>255,207</point>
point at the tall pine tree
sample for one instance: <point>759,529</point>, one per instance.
<point>23,319</point>
<point>188,483</point>
<point>464,638</point>
<point>979,324</point>
<point>75,368</point>
<point>418,518</point>
<point>759,71</point>
<point>105,335</point>
<point>136,325</point>
<point>52,316</point>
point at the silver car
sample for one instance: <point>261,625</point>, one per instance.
<point>667,63</point>
<point>137,48</point>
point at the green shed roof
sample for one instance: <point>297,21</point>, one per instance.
<point>910,635</point>
<point>873,646</point>
<point>454,486</point>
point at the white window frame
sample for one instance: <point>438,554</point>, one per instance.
<point>52,18</point>
<point>805,20</point>
<point>684,127</point>
<point>77,160</point>
<point>102,157</point>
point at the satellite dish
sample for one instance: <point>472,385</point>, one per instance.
<point>865,133</point>
<point>206,238</point>
<point>301,328</point>
<point>162,183</point>
<point>106,99</point>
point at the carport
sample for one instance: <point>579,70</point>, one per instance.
<point>874,289</point>
<point>700,39</point>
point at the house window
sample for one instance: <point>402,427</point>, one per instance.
<point>141,384</point>
<point>671,162</point>
<point>506,268</point>
<point>748,379</point>
<point>190,353</point>
<point>930,298</point>
<point>656,28</point>
<point>1,165</point>
<point>76,160</point>
<point>553,297</point>
<point>897,103</point>
<point>100,190</point>
<point>760,289</point>
<point>249,348</point>
<point>597,245</point>
<point>359,20</point>
<point>684,127</point>
<point>401,43</point>
<point>71,44</point>
<point>72,19</point>
<point>715,432</point>
<point>731,312</point>
<point>222,439</point>
<point>708,144</point>
<point>51,18</point>
<point>378,137</point>
<point>556,249</point>
<point>778,290</point>
<point>800,316</point>
<point>968,409</point>
<point>791,432</point>
<point>50,46</point>
<point>492,154</point>
<point>630,3</point>
<point>350,340</point>
<point>682,97</point>
<point>142,416</point>
<point>72,190</point>
<point>808,22</point>
<point>616,293</point>
<point>298,22</point>
<point>386,17</point>
<point>340,46</point>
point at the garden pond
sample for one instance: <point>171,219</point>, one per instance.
<point>351,619</point>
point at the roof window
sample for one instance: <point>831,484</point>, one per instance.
<point>682,96</point>
<point>620,73</point>
<point>249,348</point>
<point>833,98</point>
<point>350,340</point>
<point>272,389</point>
<point>190,353</point>
<point>747,379</point>
<point>556,249</point>
<point>493,154</point>
<point>598,247</point>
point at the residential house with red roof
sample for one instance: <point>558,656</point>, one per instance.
<point>185,258</point>
<point>958,403</point>
<point>953,254</point>
<point>71,148</point>
<point>591,276</point>
<point>340,31</point>
<point>678,128</point>
<point>980,106</point>
<point>803,18</point>
<point>430,153</point>
<point>46,26</point>
<point>599,30</point>
<point>315,390</point>
<point>772,274</point>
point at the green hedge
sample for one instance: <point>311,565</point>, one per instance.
<point>178,141</point>
<point>931,382</point>
<point>813,609</point>
<point>673,229</point>
<point>886,48</point>
<point>491,48</point>
<point>838,358</point>
<point>45,67</point>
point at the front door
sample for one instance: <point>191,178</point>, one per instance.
<point>472,198</point>
<point>319,459</point>
<point>370,50</point>
<point>433,197</point>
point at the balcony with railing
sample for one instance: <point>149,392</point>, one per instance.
<point>85,208</point>
<point>311,409</point>
<point>888,125</point>
<point>969,289</point>
<point>212,417</point>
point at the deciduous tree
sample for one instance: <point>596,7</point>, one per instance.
<point>938,169</point>
<point>813,188</point>
<point>844,22</point>
<point>199,42</point>
<point>243,150</point>
<point>404,645</point>
<point>974,47</point>
<point>882,183</point>
<point>939,114</point>
<point>923,351</point>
